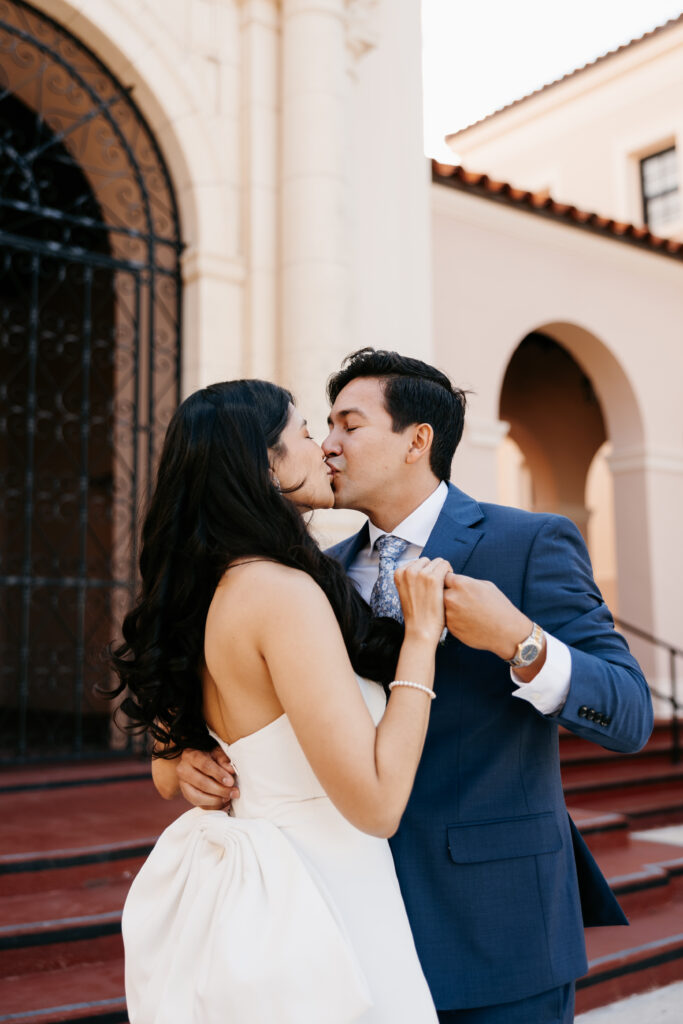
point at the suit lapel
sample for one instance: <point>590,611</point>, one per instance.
<point>454,536</point>
<point>346,551</point>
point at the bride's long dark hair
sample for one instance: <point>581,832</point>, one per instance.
<point>215,501</point>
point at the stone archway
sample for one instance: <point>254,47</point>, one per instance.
<point>89,349</point>
<point>556,420</point>
<point>565,394</point>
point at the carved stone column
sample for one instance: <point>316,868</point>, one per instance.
<point>315,200</point>
<point>260,116</point>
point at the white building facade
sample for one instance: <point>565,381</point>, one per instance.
<point>197,190</point>
<point>558,297</point>
<point>210,189</point>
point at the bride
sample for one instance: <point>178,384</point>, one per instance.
<point>288,910</point>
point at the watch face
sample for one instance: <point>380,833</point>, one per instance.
<point>528,652</point>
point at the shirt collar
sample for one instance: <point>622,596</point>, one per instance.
<point>416,527</point>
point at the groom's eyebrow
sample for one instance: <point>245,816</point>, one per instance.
<point>347,412</point>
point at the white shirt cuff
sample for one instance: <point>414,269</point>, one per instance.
<point>549,690</point>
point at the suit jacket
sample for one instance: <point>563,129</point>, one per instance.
<point>496,879</point>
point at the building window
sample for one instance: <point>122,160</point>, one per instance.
<point>659,184</point>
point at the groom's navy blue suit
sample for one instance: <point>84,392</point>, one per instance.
<point>497,881</point>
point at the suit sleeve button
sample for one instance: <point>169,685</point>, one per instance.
<point>583,711</point>
<point>590,715</point>
<point>606,720</point>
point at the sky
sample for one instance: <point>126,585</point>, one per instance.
<point>479,55</point>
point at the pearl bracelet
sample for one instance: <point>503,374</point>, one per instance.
<point>413,686</point>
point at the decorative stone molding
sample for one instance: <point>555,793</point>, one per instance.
<point>485,433</point>
<point>263,12</point>
<point>638,459</point>
<point>362,26</point>
<point>197,264</point>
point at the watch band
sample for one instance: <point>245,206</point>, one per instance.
<point>529,649</point>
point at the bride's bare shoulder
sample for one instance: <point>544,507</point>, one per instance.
<point>264,581</point>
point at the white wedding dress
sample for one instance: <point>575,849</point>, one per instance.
<point>283,913</point>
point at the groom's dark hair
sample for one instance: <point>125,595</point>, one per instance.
<point>414,392</point>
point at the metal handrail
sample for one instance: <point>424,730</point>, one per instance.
<point>672,697</point>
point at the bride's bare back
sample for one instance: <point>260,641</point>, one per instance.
<point>239,696</point>
<point>273,646</point>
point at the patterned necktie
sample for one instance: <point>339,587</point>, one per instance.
<point>384,599</point>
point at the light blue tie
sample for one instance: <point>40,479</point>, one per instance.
<point>384,599</point>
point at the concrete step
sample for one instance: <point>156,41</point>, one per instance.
<point>71,850</point>
<point>96,868</point>
<point>602,830</point>
<point>574,748</point>
<point>626,961</point>
<point>44,946</point>
<point>61,775</point>
<point>590,778</point>
<point>90,993</point>
<point>643,875</point>
<point>63,821</point>
<point>83,890</point>
<point>67,858</point>
<point>644,806</point>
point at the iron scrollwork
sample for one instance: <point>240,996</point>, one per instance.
<point>89,373</point>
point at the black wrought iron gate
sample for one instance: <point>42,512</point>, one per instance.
<point>89,370</point>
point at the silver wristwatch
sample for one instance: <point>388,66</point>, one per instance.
<point>528,650</point>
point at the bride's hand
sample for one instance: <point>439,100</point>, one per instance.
<point>420,586</point>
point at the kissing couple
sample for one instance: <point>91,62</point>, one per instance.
<point>379,721</point>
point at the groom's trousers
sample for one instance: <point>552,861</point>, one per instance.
<point>555,1006</point>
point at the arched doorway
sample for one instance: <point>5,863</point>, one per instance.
<point>574,424</point>
<point>89,373</point>
<point>556,421</point>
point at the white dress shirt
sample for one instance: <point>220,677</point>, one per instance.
<point>549,689</point>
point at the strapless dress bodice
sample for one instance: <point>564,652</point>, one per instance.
<point>283,913</point>
<point>272,769</point>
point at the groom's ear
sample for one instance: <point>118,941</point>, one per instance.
<point>421,437</point>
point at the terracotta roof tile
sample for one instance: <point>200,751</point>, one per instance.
<point>570,74</point>
<point>543,205</point>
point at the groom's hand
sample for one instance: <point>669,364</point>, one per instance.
<point>481,616</point>
<point>207,780</point>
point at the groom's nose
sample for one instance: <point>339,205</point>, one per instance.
<point>330,445</point>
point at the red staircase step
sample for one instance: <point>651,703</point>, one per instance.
<point>575,748</point>
<point>643,874</point>
<point>37,821</point>
<point>645,807</point>
<point>59,775</point>
<point>89,873</point>
<point>68,854</point>
<point>577,778</point>
<point>70,850</point>
<point>91,992</point>
<point>98,888</point>
<point>651,955</point>
<point>600,829</point>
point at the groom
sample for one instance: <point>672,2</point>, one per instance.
<point>497,882</point>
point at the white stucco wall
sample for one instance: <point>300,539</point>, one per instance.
<point>273,116</point>
<point>500,273</point>
<point>583,138</point>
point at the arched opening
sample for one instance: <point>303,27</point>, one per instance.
<point>574,425</point>
<point>556,421</point>
<point>601,532</point>
<point>89,359</point>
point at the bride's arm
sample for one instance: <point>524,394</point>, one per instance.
<point>367,771</point>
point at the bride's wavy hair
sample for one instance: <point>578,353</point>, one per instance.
<point>214,501</point>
